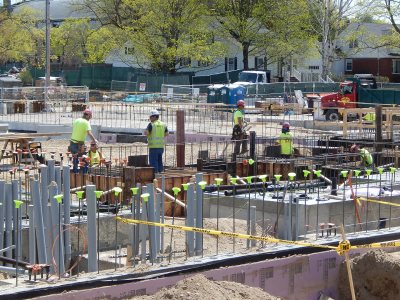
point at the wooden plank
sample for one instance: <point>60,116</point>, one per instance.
<point>128,176</point>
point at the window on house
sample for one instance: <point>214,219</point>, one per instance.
<point>349,65</point>
<point>230,63</point>
<point>203,63</point>
<point>185,62</point>
<point>396,66</point>
<point>259,63</point>
<point>353,44</point>
<point>313,68</point>
<point>129,50</point>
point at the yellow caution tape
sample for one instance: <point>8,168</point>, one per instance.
<point>223,233</point>
<point>377,201</point>
<point>343,246</point>
<point>378,245</point>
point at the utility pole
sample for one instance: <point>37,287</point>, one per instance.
<point>47,80</point>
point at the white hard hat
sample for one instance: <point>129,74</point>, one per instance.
<point>154,113</point>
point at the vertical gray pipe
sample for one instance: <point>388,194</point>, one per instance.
<point>157,219</point>
<point>162,210</point>
<point>151,216</point>
<point>143,233</point>
<point>67,213</point>
<point>290,222</point>
<point>253,213</point>
<point>49,238</point>
<point>57,177</point>
<point>44,194</point>
<point>135,247</point>
<point>2,211</point>
<point>16,223</point>
<point>190,219</point>
<point>51,169</point>
<point>91,227</point>
<point>199,215</point>
<point>32,239</point>
<point>1,225</point>
<point>39,226</point>
<point>9,221</point>
<point>57,251</point>
<point>297,227</point>
<point>53,224</point>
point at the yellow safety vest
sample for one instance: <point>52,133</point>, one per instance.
<point>366,157</point>
<point>238,114</point>
<point>157,134</point>
<point>95,157</point>
<point>286,142</point>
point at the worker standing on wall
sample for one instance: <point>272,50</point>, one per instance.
<point>365,156</point>
<point>239,133</point>
<point>80,130</point>
<point>285,139</point>
<point>156,132</point>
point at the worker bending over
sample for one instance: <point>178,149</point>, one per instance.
<point>285,139</point>
<point>365,156</point>
<point>239,133</point>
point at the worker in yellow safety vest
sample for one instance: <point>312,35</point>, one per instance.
<point>369,117</point>
<point>80,130</point>
<point>156,132</point>
<point>94,155</point>
<point>366,157</point>
<point>239,133</point>
<point>285,140</point>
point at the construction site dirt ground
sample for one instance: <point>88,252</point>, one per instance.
<point>199,287</point>
<point>376,276</point>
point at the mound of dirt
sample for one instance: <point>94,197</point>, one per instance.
<point>376,276</point>
<point>199,287</point>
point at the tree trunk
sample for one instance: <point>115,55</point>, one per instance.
<point>245,50</point>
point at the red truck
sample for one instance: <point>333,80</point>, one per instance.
<point>358,91</point>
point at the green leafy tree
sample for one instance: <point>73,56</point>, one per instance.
<point>20,39</point>
<point>239,20</point>
<point>69,40</point>
<point>165,35</point>
<point>330,18</point>
<point>288,34</point>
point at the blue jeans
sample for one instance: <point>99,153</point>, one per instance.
<point>155,159</point>
<point>76,151</point>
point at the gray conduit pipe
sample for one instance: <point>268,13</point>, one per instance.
<point>91,228</point>
<point>39,227</point>
<point>2,211</point>
<point>67,213</point>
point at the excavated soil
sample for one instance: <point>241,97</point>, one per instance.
<point>199,287</point>
<point>376,276</point>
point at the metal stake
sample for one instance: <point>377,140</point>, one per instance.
<point>233,181</point>
<point>263,179</point>
<point>17,204</point>
<point>117,191</point>
<point>368,172</point>
<point>218,183</point>
<point>318,174</point>
<point>98,196</point>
